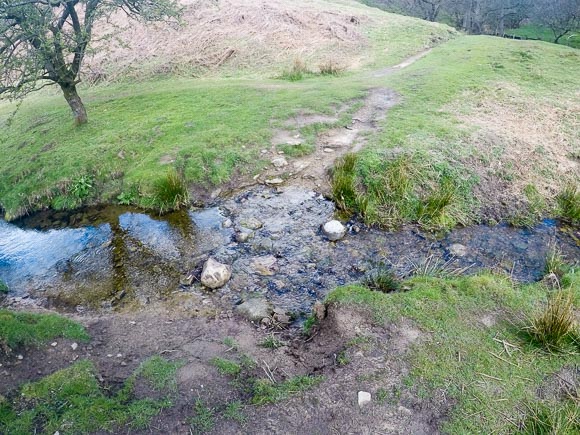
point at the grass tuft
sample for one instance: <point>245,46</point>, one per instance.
<point>160,373</point>
<point>226,366</point>
<point>235,411</point>
<point>203,419</point>
<point>170,193</point>
<point>298,71</point>
<point>551,418</point>
<point>71,401</point>
<point>264,391</point>
<point>555,263</point>
<point>271,342</point>
<point>343,183</point>
<point>330,68</point>
<point>569,203</point>
<point>382,280</point>
<point>25,329</point>
<point>555,325</point>
<point>3,288</point>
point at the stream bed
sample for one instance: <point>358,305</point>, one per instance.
<point>103,257</point>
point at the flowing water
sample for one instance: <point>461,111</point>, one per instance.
<point>108,256</point>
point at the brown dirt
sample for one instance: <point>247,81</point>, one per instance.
<point>312,171</point>
<point>377,363</point>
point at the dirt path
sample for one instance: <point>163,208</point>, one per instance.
<point>349,353</point>
<point>311,171</point>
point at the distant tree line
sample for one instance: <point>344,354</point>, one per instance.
<point>491,16</point>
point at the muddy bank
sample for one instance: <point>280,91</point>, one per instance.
<point>113,256</point>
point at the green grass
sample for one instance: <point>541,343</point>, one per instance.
<point>424,165</point>
<point>137,132</point>
<point>160,373</point>
<point>569,203</point>
<point>534,31</point>
<point>235,411</point>
<point>461,356</point>
<point>71,401</point>
<point>203,418</point>
<point>208,130</point>
<point>26,329</point>
<point>265,392</point>
<point>3,288</point>
<point>226,366</point>
<point>271,342</point>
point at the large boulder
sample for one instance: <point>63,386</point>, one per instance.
<point>215,274</point>
<point>334,230</point>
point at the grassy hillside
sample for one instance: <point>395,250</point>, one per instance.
<point>533,31</point>
<point>141,130</point>
<point>474,351</point>
<point>486,128</point>
<point>260,38</point>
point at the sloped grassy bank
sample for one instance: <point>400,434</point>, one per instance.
<point>488,345</point>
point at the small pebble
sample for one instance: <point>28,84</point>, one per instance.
<point>54,344</point>
<point>74,346</point>
<point>364,397</point>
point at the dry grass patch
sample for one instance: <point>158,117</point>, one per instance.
<point>259,36</point>
<point>521,143</point>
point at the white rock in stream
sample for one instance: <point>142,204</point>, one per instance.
<point>334,230</point>
<point>215,274</point>
<point>363,398</point>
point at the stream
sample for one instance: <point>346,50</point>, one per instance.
<point>104,257</point>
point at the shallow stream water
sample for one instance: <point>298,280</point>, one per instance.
<point>106,256</point>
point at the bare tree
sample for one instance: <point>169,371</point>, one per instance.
<point>43,42</point>
<point>560,16</point>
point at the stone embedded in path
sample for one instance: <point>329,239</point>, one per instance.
<point>363,398</point>
<point>255,309</point>
<point>274,181</point>
<point>244,236</point>
<point>319,311</point>
<point>334,230</point>
<point>279,162</point>
<point>251,223</point>
<point>215,274</point>
<point>266,265</point>
<point>458,250</point>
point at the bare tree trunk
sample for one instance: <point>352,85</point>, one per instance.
<point>75,103</point>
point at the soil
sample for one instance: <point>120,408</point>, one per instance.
<point>121,342</point>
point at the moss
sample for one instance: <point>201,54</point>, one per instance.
<point>25,329</point>
<point>71,401</point>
